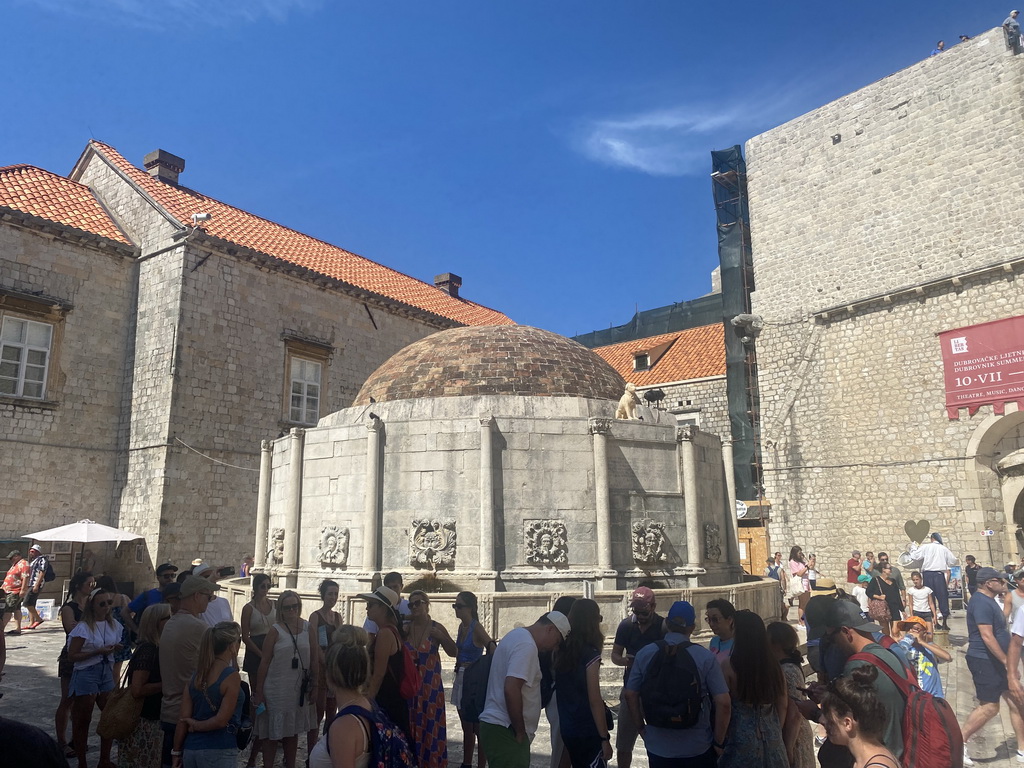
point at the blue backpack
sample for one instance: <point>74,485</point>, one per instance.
<point>388,745</point>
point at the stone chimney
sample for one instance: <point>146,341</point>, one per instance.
<point>449,283</point>
<point>162,165</point>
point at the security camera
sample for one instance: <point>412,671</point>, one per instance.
<point>198,217</point>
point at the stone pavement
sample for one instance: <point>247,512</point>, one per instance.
<point>31,691</point>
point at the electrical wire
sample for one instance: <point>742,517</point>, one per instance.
<point>215,461</point>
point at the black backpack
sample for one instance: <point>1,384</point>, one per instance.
<point>474,689</point>
<point>671,691</point>
<point>48,574</point>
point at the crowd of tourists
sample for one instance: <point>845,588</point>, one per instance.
<point>374,693</point>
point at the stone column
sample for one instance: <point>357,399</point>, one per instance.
<point>600,429</point>
<point>487,493</point>
<point>293,511</point>
<point>732,525</point>
<point>263,504</point>
<point>371,508</point>
<point>688,463</point>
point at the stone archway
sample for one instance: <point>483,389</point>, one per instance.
<point>994,475</point>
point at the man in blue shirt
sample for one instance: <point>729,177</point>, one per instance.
<point>988,640</point>
<point>165,574</point>
<point>695,747</point>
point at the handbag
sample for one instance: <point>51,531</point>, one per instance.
<point>878,610</point>
<point>121,715</point>
<point>796,586</point>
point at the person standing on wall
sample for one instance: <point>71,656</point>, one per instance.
<point>935,567</point>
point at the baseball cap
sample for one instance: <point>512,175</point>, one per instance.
<point>171,591</point>
<point>34,548</point>
<point>195,584</point>
<point>842,613</point>
<point>202,568</point>
<point>642,596</point>
<point>824,586</point>
<point>382,594</point>
<point>559,620</point>
<point>681,614</point>
<point>166,567</point>
<point>986,573</point>
<point>14,553</point>
<point>864,578</point>
<point>913,621</point>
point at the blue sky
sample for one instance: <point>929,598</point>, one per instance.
<point>554,153</point>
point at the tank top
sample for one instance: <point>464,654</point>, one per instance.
<point>468,651</point>
<point>320,757</point>
<point>259,622</point>
<point>205,704</point>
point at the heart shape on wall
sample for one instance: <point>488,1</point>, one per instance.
<point>917,531</point>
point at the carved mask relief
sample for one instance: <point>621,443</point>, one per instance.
<point>649,542</point>
<point>333,545</point>
<point>712,542</point>
<point>546,542</point>
<point>276,554</point>
<point>432,544</point>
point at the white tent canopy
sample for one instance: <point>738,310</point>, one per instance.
<point>84,531</point>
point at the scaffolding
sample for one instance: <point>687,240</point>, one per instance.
<point>729,187</point>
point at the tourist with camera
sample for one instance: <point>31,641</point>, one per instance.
<point>286,684</point>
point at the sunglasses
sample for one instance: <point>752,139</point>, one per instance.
<point>290,607</point>
<point>458,606</point>
<point>416,603</point>
<point>104,604</point>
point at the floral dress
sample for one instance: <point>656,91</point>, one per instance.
<point>803,752</point>
<point>428,732</point>
<point>754,738</point>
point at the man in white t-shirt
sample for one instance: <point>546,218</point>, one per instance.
<point>512,707</point>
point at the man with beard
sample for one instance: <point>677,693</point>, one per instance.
<point>642,628</point>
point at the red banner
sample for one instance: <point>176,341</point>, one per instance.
<point>984,365</point>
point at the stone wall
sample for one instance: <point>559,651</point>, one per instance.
<point>905,182</point>
<point>543,469</point>
<point>705,400</point>
<point>58,456</point>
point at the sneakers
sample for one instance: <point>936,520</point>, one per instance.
<point>1020,756</point>
<point>967,758</point>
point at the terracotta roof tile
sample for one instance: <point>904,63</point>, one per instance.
<point>40,193</point>
<point>250,231</point>
<point>694,354</point>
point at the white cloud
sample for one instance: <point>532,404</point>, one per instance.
<point>677,141</point>
<point>150,13</point>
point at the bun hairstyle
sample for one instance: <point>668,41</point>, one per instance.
<point>347,662</point>
<point>854,696</point>
<point>325,585</point>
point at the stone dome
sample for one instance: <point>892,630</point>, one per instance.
<point>492,360</point>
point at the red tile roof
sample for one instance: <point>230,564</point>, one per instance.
<point>250,231</point>
<point>40,193</point>
<point>694,354</point>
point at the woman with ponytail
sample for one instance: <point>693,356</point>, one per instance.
<point>211,707</point>
<point>854,716</point>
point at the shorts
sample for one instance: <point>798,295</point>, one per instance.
<point>99,678</point>
<point>65,666</point>
<point>501,747</point>
<point>12,603</point>
<point>456,695</point>
<point>989,678</point>
<point>209,758</point>
<point>926,615</point>
<point>30,599</point>
<point>625,731</point>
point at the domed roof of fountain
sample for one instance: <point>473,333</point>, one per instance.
<point>492,360</point>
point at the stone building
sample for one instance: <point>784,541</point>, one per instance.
<point>879,222</point>
<point>153,335</point>
<point>489,458</point>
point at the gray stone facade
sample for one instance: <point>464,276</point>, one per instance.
<point>171,367</point>
<point>873,220</point>
<point>541,526</point>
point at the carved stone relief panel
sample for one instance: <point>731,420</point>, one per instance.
<point>276,554</point>
<point>649,542</point>
<point>712,542</point>
<point>333,545</point>
<point>546,542</point>
<point>432,544</point>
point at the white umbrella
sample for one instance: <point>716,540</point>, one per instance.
<point>84,531</point>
